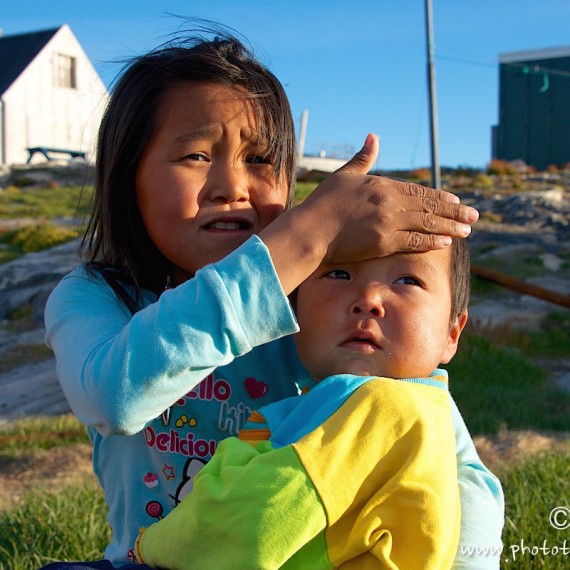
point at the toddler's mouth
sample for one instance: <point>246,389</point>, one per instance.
<point>362,341</point>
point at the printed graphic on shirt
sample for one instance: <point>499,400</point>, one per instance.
<point>173,442</point>
<point>255,388</point>
<point>207,409</point>
<point>151,480</point>
<point>191,469</point>
<point>154,509</point>
<point>184,434</point>
<point>231,418</point>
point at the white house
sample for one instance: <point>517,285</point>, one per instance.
<point>51,97</point>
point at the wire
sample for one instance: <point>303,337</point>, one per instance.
<point>526,67</point>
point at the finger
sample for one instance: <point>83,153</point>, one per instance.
<point>411,189</point>
<point>437,202</point>
<point>427,226</point>
<point>418,242</point>
<point>449,210</point>
<point>364,159</point>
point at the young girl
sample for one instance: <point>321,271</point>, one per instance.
<point>195,176</point>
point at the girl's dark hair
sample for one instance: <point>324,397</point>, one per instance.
<point>116,241</point>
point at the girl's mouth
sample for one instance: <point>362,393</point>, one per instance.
<point>229,226</point>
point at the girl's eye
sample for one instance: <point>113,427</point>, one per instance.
<point>196,156</point>
<point>407,280</point>
<point>259,159</point>
<point>338,274</point>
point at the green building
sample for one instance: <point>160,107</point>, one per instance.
<point>534,107</point>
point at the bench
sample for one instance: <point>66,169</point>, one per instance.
<point>46,151</point>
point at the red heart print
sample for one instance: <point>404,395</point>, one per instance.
<point>254,388</point>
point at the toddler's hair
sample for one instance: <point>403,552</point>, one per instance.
<point>116,237</point>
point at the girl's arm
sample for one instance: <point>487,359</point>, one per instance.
<point>120,371</point>
<point>482,505</point>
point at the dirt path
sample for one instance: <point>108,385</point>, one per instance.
<point>49,470</point>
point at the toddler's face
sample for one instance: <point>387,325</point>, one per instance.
<point>203,183</point>
<point>384,317</point>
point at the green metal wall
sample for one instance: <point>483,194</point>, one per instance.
<point>534,112</point>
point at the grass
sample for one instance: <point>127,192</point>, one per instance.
<point>27,436</point>
<point>533,489</point>
<point>36,237</point>
<point>47,527</point>
<point>507,389</point>
<point>42,205</point>
<point>520,264</point>
<point>44,527</point>
<point>303,189</point>
<point>45,203</point>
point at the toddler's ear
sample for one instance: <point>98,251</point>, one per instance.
<point>454,334</point>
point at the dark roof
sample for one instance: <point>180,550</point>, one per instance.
<point>16,53</point>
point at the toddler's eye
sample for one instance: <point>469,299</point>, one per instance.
<point>407,280</point>
<point>338,274</point>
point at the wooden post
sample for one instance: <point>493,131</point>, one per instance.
<point>521,286</point>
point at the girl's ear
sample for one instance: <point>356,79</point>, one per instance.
<point>453,339</point>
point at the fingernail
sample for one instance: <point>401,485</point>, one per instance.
<point>465,229</point>
<point>473,215</point>
<point>368,142</point>
<point>445,241</point>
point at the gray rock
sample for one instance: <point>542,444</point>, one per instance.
<point>30,278</point>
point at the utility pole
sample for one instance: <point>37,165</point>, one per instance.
<point>302,135</point>
<point>435,171</point>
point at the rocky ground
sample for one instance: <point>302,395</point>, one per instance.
<point>28,383</point>
<point>517,226</point>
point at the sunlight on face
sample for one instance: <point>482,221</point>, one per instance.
<point>205,183</point>
<point>385,317</point>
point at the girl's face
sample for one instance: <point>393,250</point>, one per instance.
<point>204,184</point>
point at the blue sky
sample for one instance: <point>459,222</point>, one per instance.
<point>355,66</point>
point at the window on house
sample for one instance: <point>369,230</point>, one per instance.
<point>65,75</point>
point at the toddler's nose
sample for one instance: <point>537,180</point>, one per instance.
<point>369,303</point>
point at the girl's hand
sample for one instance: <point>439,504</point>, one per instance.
<point>353,216</point>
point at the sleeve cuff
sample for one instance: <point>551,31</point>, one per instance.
<point>255,292</point>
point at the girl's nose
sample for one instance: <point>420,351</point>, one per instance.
<point>369,303</point>
<point>227,183</point>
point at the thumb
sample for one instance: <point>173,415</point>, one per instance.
<point>364,159</point>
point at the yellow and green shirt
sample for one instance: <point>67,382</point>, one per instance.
<point>360,473</point>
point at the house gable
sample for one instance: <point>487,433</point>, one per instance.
<point>51,96</point>
<point>17,52</point>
